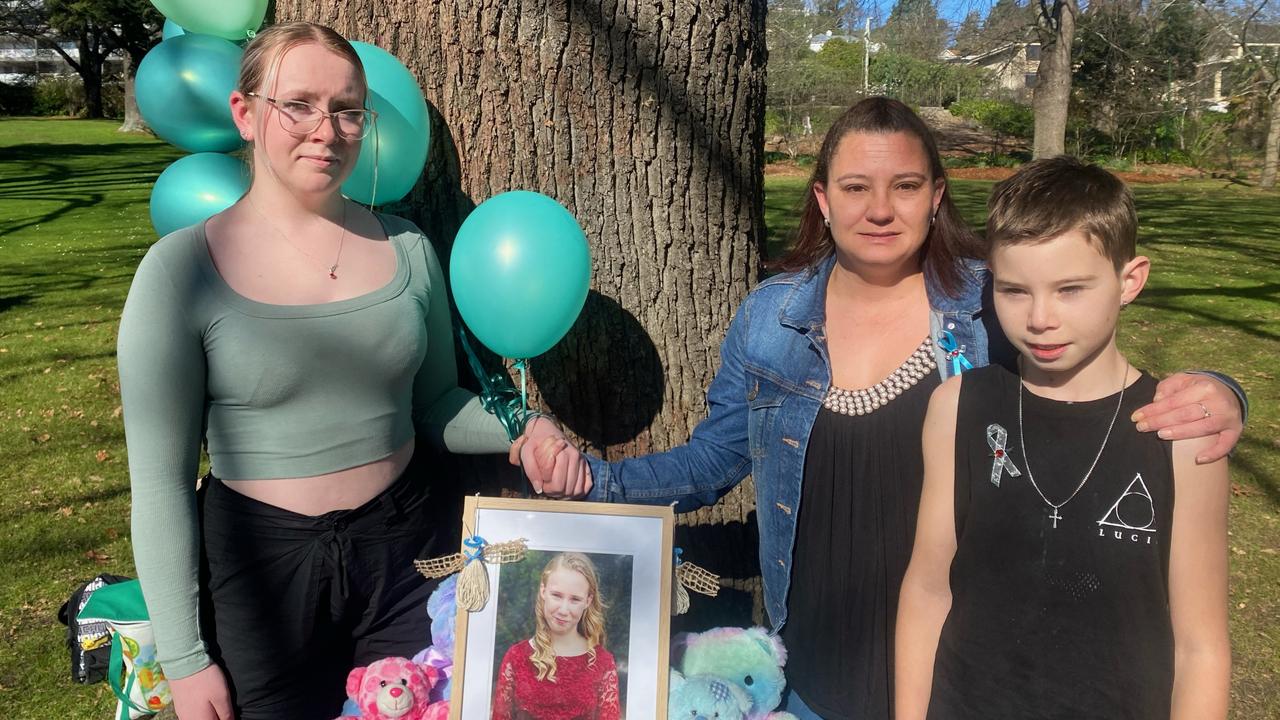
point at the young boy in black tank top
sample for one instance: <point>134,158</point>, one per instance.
<point>1053,574</point>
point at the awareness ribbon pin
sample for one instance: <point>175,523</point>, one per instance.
<point>997,438</point>
<point>955,353</point>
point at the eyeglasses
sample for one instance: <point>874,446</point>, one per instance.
<point>300,118</point>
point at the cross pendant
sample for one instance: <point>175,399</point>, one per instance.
<point>1055,517</point>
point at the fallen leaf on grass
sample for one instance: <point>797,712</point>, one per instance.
<point>112,533</point>
<point>98,557</point>
<point>1240,491</point>
<point>102,455</point>
<point>116,413</point>
<point>43,438</point>
<point>66,511</point>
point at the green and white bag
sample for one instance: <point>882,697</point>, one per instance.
<point>133,672</point>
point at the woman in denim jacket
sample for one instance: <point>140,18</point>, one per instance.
<point>878,274</point>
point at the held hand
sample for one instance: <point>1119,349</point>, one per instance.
<point>202,696</point>
<point>554,466</point>
<point>1189,406</point>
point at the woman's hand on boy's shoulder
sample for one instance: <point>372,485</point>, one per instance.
<point>1192,405</point>
<point>554,466</point>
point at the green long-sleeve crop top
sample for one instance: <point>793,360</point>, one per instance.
<point>275,391</point>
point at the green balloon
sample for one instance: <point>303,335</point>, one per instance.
<point>195,187</point>
<point>230,19</point>
<point>520,270</point>
<point>400,136</point>
<point>182,88</point>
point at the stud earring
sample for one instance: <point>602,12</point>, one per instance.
<point>826,221</point>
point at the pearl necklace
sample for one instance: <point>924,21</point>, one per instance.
<point>916,367</point>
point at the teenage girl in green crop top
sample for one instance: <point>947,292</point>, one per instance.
<point>307,341</point>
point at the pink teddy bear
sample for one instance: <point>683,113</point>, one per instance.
<point>395,689</point>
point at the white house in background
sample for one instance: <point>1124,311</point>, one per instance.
<point>1213,78</point>
<point>22,58</point>
<point>1016,66</point>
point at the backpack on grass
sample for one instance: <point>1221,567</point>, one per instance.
<point>89,641</point>
<point>133,672</point>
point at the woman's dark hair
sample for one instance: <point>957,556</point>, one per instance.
<point>949,238</point>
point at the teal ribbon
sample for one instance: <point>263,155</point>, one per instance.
<point>497,395</point>
<point>476,542</point>
<point>955,353</point>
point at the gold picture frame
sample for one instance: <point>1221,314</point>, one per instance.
<point>630,550</point>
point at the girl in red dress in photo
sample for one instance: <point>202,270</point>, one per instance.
<point>563,672</point>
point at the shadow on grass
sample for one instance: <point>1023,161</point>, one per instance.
<point>1261,478</point>
<point>79,176</point>
<point>1269,292</point>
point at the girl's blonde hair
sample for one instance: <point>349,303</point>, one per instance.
<point>590,626</point>
<point>261,60</point>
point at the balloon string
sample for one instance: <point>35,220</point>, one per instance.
<point>497,395</point>
<point>524,386</point>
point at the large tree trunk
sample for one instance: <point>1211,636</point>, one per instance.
<point>1057,25</point>
<point>90,71</point>
<point>646,120</point>
<point>133,121</point>
<point>1271,154</point>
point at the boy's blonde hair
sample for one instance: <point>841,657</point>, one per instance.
<point>590,626</point>
<point>1049,197</point>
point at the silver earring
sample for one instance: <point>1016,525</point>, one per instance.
<point>826,221</point>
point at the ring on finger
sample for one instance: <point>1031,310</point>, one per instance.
<point>1204,409</point>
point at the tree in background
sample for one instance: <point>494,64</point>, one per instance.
<point>968,35</point>
<point>646,121</point>
<point>914,29</point>
<point>838,15</point>
<point>1256,21</point>
<point>137,30</point>
<point>98,28</point>
<point>1009,21</point>
<point>1056,30</point>
<point>793,78</point>
<point>1134,73</point>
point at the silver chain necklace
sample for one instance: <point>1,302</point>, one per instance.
<point>331,269</point>
<point>1026,460</point>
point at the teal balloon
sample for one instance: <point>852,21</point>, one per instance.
<point>194,187</point>
<point>171,30</point>
<point>182,87</point>
<point>230,19</point>
<point>400,136</point>
<point>520,269</point>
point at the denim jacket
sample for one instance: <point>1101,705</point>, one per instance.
<point>774,372</point>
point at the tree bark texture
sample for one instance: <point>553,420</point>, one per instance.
<point>1271,152</point>
<point>1057,29</point>
<point>645,119</point>
<point>133,121</point>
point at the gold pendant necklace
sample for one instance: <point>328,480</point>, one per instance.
<point>332,270</point>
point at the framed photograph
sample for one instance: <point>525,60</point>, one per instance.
<point>580,626</point>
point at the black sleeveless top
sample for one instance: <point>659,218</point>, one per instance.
<point>1066,616</point>
<point>858,507</point>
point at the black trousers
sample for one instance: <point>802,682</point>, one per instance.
<point>294,602</point>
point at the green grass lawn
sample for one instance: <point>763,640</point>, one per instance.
<point>73,225</point>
